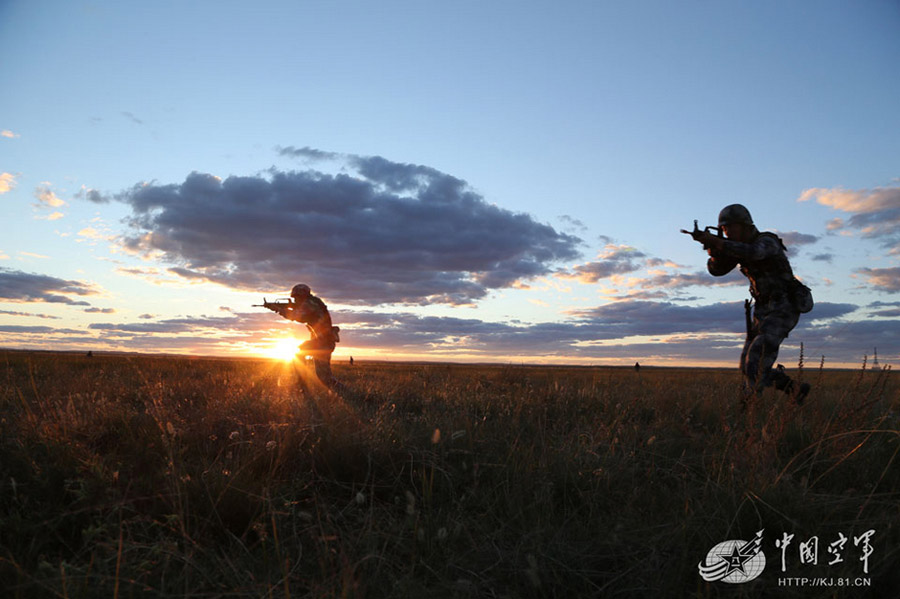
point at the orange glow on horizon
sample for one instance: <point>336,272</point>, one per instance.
<point>283,349</point>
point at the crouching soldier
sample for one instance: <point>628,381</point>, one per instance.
<point>780,298</point>
<point>312,311</point>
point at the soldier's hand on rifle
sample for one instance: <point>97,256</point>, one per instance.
<point>710,242</point>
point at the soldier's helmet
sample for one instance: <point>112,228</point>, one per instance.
<point>735,213</point>
<point>300,290</point>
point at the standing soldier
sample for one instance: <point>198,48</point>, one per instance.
<point>311,311</point>
<point>780,298</point>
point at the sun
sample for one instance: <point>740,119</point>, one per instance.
<point>283,349</point>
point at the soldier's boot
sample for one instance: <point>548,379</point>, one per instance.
<point>785,383</point>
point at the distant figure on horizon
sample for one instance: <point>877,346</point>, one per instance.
<point>637,366</point>
<point>351,360</point>
<point>780,298</point>
<point>90,354</point>
<point>312,311</point>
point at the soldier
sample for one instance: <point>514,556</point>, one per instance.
<point>313,312</point>
<point>779,299</point>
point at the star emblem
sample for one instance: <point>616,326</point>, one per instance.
<point>735,560</point>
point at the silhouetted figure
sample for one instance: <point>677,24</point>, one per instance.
<point>637,366</point>
<point>306,308</point>
<point>90,354</point>
<point>780,298</point>
<point>351,360</point>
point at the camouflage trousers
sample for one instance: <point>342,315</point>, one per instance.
<point>320,349</point>
<point>772,322</point>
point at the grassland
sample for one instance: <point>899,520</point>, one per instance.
<point>153,477</point>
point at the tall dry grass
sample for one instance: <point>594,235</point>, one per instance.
<point>152,477</point>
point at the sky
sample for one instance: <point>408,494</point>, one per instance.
<point>463,181</point>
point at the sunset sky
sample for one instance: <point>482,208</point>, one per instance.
<point>467,180</point>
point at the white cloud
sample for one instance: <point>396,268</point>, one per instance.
<point>859,201</point>
<point>875,213</point>
<point>614,260</point>
<point>882,279</point>
<point>7,182</point>
<point>94,234</point>
<point>9,134</point>
<point>47,198</point>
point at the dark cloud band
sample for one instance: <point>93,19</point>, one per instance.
<point>390,233</point>
<point>19,286</point>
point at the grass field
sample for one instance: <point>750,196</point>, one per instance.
<point>149,477</point>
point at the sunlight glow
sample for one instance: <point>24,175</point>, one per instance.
<point>283,349</point>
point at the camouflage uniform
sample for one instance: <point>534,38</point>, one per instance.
<point>313,312</point>
<point>764,262</point>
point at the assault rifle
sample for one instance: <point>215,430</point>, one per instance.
<point>276,306</point>
<point>697,232</point>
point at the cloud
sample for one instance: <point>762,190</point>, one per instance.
<point>586,333</point>
<point>13,313</point>
<point>34,329</point>
<point>642,318</point>
<point>132,118</point>
<point>19,286</point>
<point>823,257</point>
<point>9,134</point>
<point>850,341</point>
<point>649,295</point>
<point>614,260</point>
<point>7,182</point>
<point>573,224</point>
<point>875,212</point>
<point>694,279</point>
<point>407,332</point>
<point>92,195</point>
<point>100,310</point>
<point>828,311</point>
<point>639,317</point>
<point>882,279</point>
<point>666,333</point>
<point>151,272</point>
<point>390,233</point>
<point>307,153</point>
<point>46,198</point>
<point>659,262</point>
<point>794,238</point>
<point>244,323</point>
<point>93,234</point>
